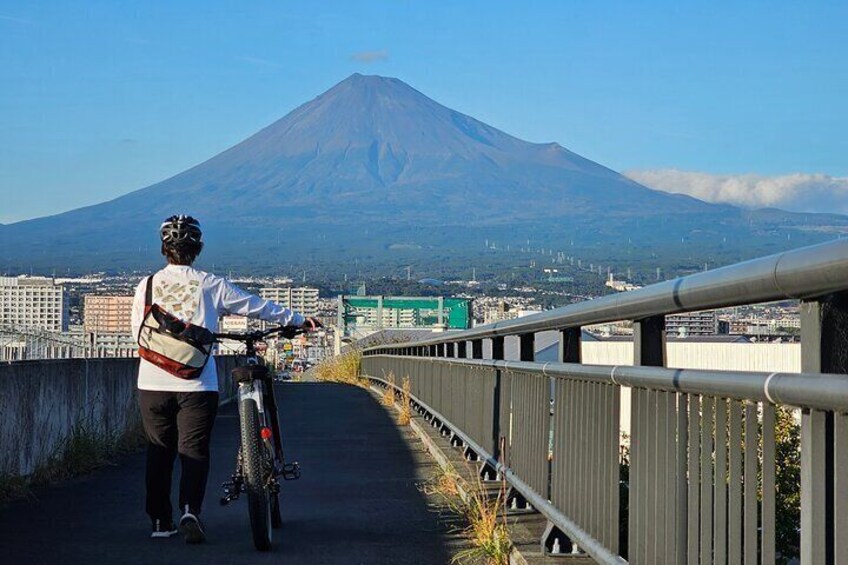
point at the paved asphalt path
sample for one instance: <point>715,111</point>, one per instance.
<point>357,501</point>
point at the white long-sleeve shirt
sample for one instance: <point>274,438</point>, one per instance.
<point>199,298</point>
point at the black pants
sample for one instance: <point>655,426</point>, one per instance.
<point>177,422</point>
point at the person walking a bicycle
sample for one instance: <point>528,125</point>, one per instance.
<point>175,311</point>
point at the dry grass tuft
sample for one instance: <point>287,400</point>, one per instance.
<point>84,450</point>
<point>446,484</point>
<point>341,369</point>
<point>486,517</point>
<point>487,529</point>
<point>389,394</point>
<point>405,410</point>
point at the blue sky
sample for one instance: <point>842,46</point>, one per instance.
<point>101,98</point>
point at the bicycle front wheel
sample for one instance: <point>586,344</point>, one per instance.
<point>257,469</point>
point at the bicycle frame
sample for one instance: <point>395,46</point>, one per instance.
<point>261,391</point>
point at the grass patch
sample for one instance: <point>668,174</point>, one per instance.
<point>81,452</point>
<point>342,368</point>
<point>405,409</point>
<point>13,488</point>
<point>388,398</point>
<point>485,516</point>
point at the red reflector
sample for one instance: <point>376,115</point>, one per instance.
<point>265,433</point>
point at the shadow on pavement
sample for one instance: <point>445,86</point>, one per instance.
<point>357,501</point>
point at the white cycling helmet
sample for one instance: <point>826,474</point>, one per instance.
<point>180,229</point>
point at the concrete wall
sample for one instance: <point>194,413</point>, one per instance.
<point>764,357</point>
<point>42,402</point>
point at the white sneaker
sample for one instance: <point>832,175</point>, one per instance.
<point>192,528</point>
<point>163,529</point>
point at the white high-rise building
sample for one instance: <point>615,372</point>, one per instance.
<point>33,302</point>
<point>302,299</point>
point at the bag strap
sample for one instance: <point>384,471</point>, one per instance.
<point>148,293</point>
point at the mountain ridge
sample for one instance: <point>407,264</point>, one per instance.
<point>370,151</point>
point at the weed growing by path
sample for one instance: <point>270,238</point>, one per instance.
<point>485,515</point>
<point>84,450</point>
<point>342,368</point>
<point>405,410</point>
<point>389,394</point>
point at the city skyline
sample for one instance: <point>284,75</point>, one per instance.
<point>105,100</point>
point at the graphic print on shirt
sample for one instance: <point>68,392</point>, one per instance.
<point>179,298</point>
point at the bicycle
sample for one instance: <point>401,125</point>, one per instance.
<point>260,460</point>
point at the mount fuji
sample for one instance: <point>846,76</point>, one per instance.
<point>372,165</point>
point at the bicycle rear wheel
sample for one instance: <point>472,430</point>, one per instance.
<point>257,469</point>
<point>276,517</point>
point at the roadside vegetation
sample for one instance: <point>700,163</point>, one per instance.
<point>484,515</point>
<point>342,368</point>
<point>84,450</point>
<point>405,407</point>
<point>388,398</point>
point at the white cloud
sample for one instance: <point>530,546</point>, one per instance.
<point>370,56</point>
<point>798,192</point>
<point>15,19</point>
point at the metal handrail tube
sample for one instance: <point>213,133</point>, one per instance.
<point>819,391</point>
<point>589,544</point>
<point>803,273</point>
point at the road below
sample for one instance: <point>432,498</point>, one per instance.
<point>358,500</point>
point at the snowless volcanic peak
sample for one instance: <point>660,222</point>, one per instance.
<point>376,141</point>
<point>370,151</point>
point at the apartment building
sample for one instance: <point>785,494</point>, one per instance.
<point>302,299</point>
<point>107,314</point>
<point>504,311</point>
<point>692,323</point>
<point>33,302</point>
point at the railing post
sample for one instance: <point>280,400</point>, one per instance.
<point>527,347</point>
<point>649,342</point>
<point>462,349</point>
<point>497,355</point>
<point>569,345</point>
<point>450,350</point>
<point>440,350</point>
<point>476,348</point>
<point>432,351</point>
<point>824,327</point>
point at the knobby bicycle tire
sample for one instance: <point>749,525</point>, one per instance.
<point>256,470</point>
<point>276,516</point>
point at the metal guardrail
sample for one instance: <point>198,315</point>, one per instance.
<point>702,482</point>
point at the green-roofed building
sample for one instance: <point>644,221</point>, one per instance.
<point>361,315</point>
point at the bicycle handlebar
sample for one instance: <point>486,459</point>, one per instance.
<point>290,332</point>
